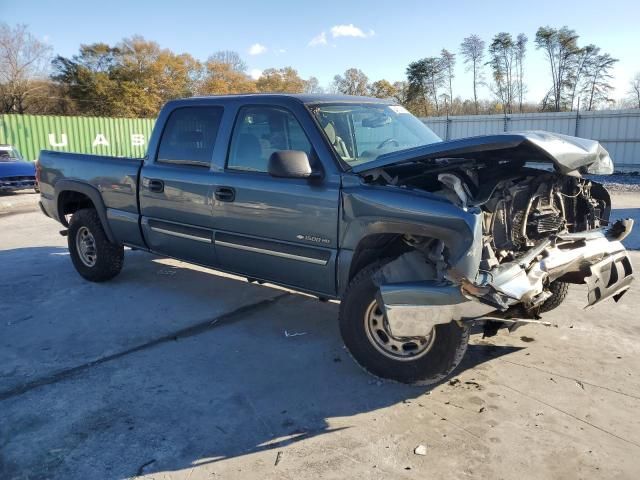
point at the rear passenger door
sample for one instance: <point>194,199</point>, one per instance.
<point>176,186</point>
<point>278,229</point>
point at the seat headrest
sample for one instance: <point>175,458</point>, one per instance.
<point>330,130</point>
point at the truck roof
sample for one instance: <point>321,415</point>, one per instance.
<point>305,98</point>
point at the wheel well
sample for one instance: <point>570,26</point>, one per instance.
<point>70,202</point>
<point>374,247</point>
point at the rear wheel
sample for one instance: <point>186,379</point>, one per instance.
<point>93,256</point>
<point>417,360</point>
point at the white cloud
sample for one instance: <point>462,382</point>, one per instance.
<point>320,39</point>
<point>349,31</point>
<point>257,49</point>
<point>255,73</point>
<point>282,50</point>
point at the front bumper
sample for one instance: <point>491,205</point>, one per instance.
<point>596,258</point>
<point>10,184</point>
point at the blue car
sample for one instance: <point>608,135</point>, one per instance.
<point>16,173</point>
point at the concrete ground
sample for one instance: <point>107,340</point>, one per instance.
<point>175,371</point>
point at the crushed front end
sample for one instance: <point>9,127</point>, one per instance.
<point>535,229</point>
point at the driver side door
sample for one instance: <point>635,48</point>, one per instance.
<point>282,230</point>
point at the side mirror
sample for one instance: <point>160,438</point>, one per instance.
<point>290,164</point>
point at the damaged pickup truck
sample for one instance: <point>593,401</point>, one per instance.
<point>354,199</point>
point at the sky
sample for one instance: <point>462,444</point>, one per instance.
<point>325,38</point>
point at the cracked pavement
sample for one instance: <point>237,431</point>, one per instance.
<point>176,371</point>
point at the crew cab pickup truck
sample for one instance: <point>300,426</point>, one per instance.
<point>355,199</point>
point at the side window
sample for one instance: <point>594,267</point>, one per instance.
<point>189,136</point>
<point>260,131</point>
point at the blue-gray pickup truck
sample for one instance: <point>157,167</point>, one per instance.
<point>355,199</point>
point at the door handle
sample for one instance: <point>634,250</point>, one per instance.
<point>153,185</point>
<point>225,194</point>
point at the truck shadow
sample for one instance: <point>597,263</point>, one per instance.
<point>272,377</point>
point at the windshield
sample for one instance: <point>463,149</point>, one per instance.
<point>360,133</point>
<point>10,155</point>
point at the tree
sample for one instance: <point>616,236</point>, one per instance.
<point>222,79</point>
<point>89,79</point>
<point>582,63</point>
<point>383,89</point>
<point>402,92</point>
<point>503,58</point>
<point>284,80</point>
<point>472,49</point>
<point>133,79</point>
<point>634,91</point>
<point>23,64</point>
<point>312,85</point>
<point>149,76</point>
<point>425,78</point>
<point>230,58</point>
<point>354,82</point>
<point>521,49</point>
<point>598,76</point>
<point>561,49</point>
<point>448,62</point>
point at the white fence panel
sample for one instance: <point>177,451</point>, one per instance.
<point>617,130</point>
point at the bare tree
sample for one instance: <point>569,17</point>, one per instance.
<point>23,65</point>
<point>448,62</point>
<point>521,49</point>
<point>354,82</point>
<point>231,58</point>
<point>561,49</point>
<point>503,62</point>
<point>582,63</point>
<point>598,76</point>
<point>634,90</point>
<point>312,85</point>
<point>472,49</point>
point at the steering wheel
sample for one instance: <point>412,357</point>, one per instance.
<point>384,143</point>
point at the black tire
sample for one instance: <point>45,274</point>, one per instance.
<point>559,291</point>
<point>444,355</point>
<point>108,257</point>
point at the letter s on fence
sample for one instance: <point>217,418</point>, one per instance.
<point>54,143</point>
<point>137,140</point>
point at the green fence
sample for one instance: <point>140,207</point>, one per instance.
<point>120,137</point>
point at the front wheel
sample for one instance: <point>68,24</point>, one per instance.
<point>415,360</point>
<point>94,257</point>
<point>559,291</point>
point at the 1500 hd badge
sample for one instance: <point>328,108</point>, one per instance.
<point>313,238</point>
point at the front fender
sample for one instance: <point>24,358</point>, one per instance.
<point>369,210</point>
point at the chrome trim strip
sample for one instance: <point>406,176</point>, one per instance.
<point>181,235</point>
<point>290,256</point>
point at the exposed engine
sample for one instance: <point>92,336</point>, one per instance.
<point>522,207</point>
<point>526,209</point>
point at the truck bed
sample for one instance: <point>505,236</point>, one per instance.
<point>112,180</point>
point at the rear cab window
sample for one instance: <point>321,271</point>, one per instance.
<point>189,136</point>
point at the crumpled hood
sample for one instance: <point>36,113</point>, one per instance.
<point>566,153</point>
<point>17,169</point>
